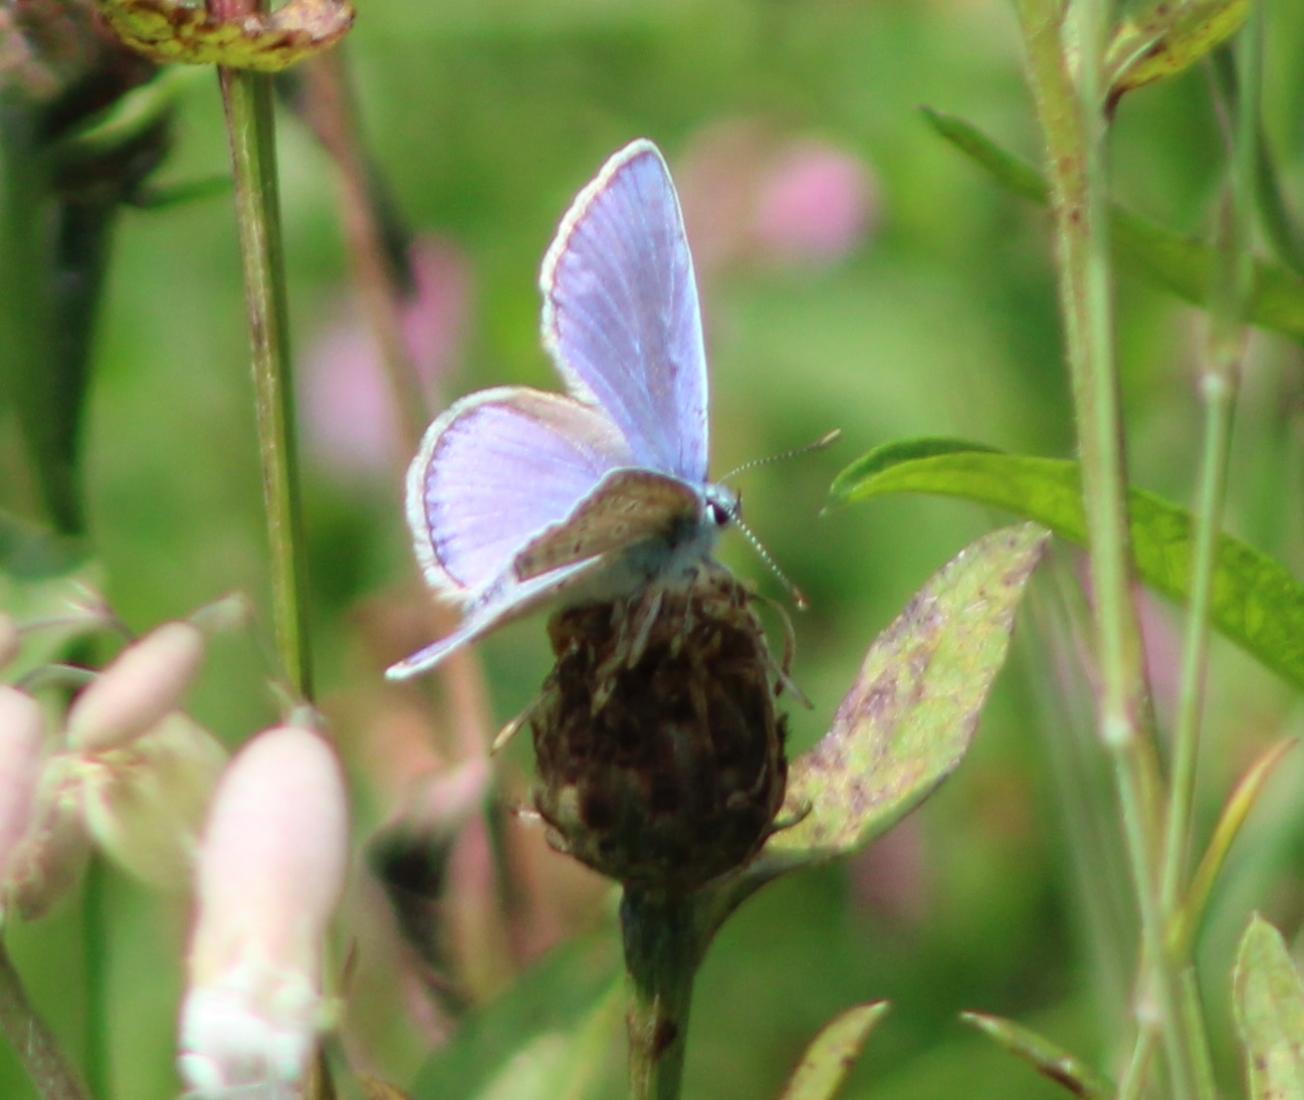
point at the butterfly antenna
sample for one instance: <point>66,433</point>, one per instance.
<point>798,597</point>
<point>826,440</point>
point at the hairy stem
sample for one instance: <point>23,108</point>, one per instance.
<point>662,950</point>
<point>1073,124</point>
<point>247,99</point>
<point>32,1041</point>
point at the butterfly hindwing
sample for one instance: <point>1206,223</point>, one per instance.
<point>628,508</point>
<point>496,469</point>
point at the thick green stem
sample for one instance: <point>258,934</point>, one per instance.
<point>247,98</point>
<point>32,1041</point>
<point>1074,127</point>
<point>662,950</point>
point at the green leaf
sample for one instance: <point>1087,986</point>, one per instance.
<point>44,578</point>
<point>1167,39</point>
<point>1047,1058</point>
<point>832,1053</point>
<point>564,994</point>
<point>1256,602</point>
<point>1186,267</point>
<point>1270,1014</point>
<point>911,714</point>
<point>1189,918</point>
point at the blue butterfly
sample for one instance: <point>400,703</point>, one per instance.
<point>520,499</point>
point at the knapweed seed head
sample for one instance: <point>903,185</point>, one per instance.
<point>660,748</point>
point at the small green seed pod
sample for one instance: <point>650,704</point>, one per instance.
<point>661,764</point>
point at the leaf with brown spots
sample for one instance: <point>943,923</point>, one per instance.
<point>911,714</point>
<point>1047,1058</point>
<point>1270,1014</point>
<point>832,1053</point>
<point>1167,39</point>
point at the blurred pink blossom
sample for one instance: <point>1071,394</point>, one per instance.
<point>814,204</point>
<point>271,872</point>
<point>751,195</point>
<point>352,428</point>
<point>22,752</point>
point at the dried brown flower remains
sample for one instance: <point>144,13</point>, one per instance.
<point>660,748</point>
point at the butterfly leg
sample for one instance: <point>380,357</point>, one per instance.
<point>649,609</point>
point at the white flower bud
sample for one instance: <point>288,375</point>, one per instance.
<point>271,871</point>
<point>22,744</point>
<point>10,641</point>
<point>143,684</point>
<point>144,802</point>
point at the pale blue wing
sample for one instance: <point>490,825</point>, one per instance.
<point>621,317</point>
<point>512,601</point>
<point>494,471</point>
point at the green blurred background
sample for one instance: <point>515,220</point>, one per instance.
<point>934,315</point>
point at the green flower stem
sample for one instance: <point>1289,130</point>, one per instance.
<point>662,949</point>
<point>1218,385</point>
<point>247,100</point>
<point>32,1041</point>
<point>1074,127</point>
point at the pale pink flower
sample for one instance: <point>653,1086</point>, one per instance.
<point>142,685</point>
<point>144,802</point>
<point>814,206</point>
<point>351,425</point>
<point>753,196</point>
<point>271,872</point>
<point>22,751</point>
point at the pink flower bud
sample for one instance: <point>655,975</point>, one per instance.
<point>271,871</point>
<point>10,642</point>
<point>144,683</point>
<point>144,802</point>
<point>815,204</point>
<point>22,743</point>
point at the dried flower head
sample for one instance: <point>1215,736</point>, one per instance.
<point>660,749</point>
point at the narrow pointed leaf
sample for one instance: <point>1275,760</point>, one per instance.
<point>1186,267</point>
<point>1047,1058</point>
<point>1270,1014</point>
<point>829,1058</point>
<point>1168,39</point>
<point>1186,925</point>
<point>1256,602</point>
<point>911,714</point>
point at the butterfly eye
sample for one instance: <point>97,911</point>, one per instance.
<point>719,513</point>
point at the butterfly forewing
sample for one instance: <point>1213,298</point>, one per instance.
<point>629,508</point>
<point>495,470</point>
<point>621,316</point>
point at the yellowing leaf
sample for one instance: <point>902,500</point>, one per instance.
<point>1270,1014</point>
<point>1170,37</point>
<point>832,1053</point>
<point>911,714</point>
